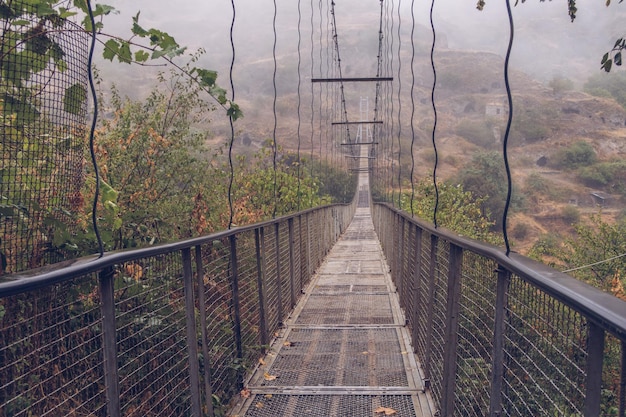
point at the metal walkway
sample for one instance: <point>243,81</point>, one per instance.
<point>345,350</point>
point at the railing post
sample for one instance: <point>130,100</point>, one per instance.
<point>301,251</point>
<point>595,356</point>
<point>259,242</point>
<point>208,387</point>
<point>234,272</point>
<point>107,309</point>
<point>417,285</point>
<point>400,258</point>
<point>497,374</point>
<point>292,277</point>
<point>622,388</point>
<point>455,262</point>
<point>192,342</point>
<point>434,241</point>
<point>279,280</point>
<point>308,247</point>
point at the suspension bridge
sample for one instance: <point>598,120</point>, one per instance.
<point>356,309</point>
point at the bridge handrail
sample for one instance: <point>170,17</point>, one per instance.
<point>503,335</point>
<point>606,310</point>
<point>66,270</point>
<point>174,327</point>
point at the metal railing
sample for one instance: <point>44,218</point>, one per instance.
<point>169,331</point>
<point>503,336</point>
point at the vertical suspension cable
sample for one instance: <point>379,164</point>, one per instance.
<point>312,97</point>
<point>399,104</point>
<point>508,130</point>
<point>391,109</point>
<point>321,64</point>
<point>274,142</point>
<point>412,105</point>
<point>230,119</point>
<point>379,65</point>
<point>341,86</point>
<point>327,87</point>
<point>298,167</point>
<point>94,121</point>
<point>432,100</point>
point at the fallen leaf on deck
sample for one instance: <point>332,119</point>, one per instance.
<point>269,377</point>
<point>261,362</point>
<point>386,411</point>
<point>268,396</point>
<point>259,405</point>
<point>245,393</point>
<point>287,343</point>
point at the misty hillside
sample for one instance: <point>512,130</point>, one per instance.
<point>470,96</point>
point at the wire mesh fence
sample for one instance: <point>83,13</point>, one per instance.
<point>498,335</point>
<point>43,105</point>
<point>173,330</point>
<point>51,356</point>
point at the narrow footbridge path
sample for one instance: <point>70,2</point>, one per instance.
<point>345,351</point>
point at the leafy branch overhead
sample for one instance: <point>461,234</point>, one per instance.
<point>38,42</point>
<point>612,57</point>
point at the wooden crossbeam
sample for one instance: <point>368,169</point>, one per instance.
<point>350,80</point>
<point>360,157</point>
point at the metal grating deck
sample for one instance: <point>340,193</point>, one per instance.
<point>345,350</point>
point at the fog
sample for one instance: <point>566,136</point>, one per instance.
<point>546,42</point>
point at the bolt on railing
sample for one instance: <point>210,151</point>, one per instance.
<point>500,335</point>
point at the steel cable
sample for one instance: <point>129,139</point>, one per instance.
<point>399,104</point>
<point>341,86</point>
<point>274,142</point>
<point>391,110</point>
<point>230,119</point>
<point>312,95</point>
<point>435,115</point>
<point>412,105</point>
<point>298,167</point>
<point>94,121</point>
<point>505,141</point>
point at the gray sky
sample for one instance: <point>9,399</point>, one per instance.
<point>547,43</point>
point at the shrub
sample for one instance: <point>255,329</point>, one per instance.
<point>521,231</point>
<point>611,175</point>
<point>477,132</point>
<point>576,155</point>
<point>560,85</point>
<point>546,245</point>
<point>571,214</point>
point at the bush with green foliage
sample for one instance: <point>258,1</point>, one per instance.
<point>560,84</point>
<point>570,214</point>
<point>610,176</point>
<point>485,178</point>
<point>458,210</point>
<point>608,85</point>
<point>478,132</point>
<point>578,154</point>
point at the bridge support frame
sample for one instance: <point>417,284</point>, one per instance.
<point>497,377</point>
<point>109,338</point>
<point>192,345</point>
<point>453,302</point>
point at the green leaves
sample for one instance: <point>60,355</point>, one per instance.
<point>120,49</point>
<point>614,56</point>
<point>207,78</point>
<point>74,98</point>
